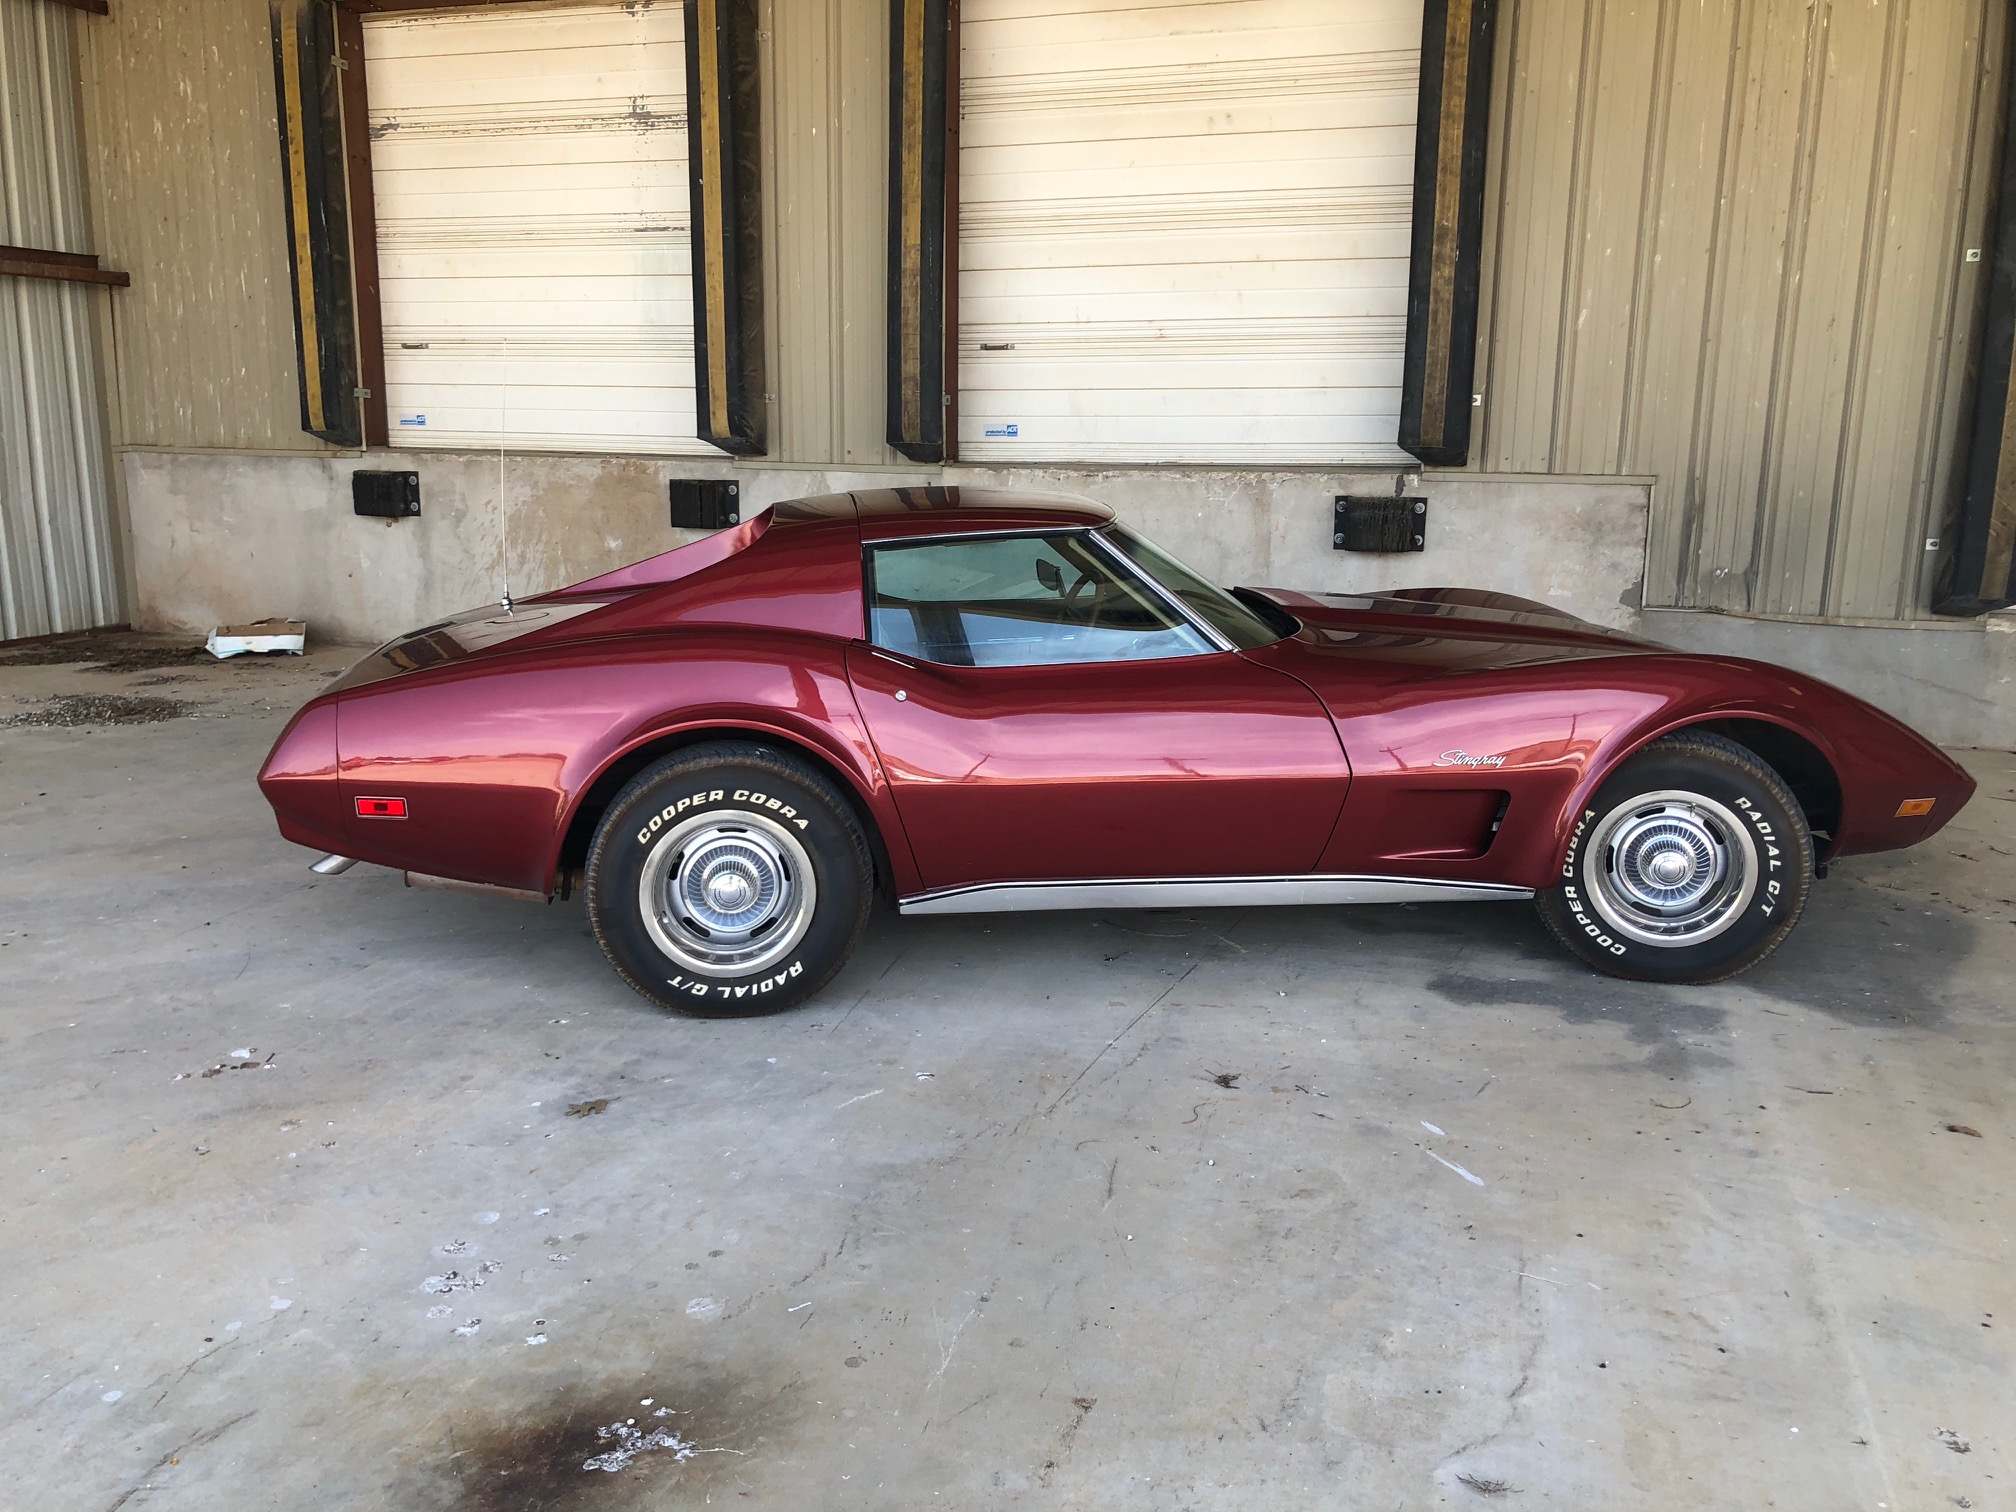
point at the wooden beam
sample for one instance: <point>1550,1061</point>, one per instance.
<point>1451,127</point>
<point>723,157</point>
<point>1977,570</point>
<point>67,267</point>
<point>310,119</point>
<point>918,44</point>
<point>363,226</point>
<point>949,337</point>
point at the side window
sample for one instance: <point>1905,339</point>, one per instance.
<point>1018,601</point>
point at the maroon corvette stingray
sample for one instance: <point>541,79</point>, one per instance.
<point>986,701</point>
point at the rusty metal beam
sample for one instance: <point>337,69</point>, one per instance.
<point>68,267</point>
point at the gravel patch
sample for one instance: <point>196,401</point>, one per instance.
<point>107,653</point>
<point>70,710</point>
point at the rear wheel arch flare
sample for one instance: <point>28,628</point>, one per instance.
<point>616,774</point>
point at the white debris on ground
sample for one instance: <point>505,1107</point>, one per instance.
<point>630,1441</point>
<point>264,636</point>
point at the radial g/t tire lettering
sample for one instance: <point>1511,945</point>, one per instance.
<point>729,879</point>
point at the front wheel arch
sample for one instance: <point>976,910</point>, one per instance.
<point>1799,762</point>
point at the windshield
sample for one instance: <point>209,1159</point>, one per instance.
<point>1206,600</point>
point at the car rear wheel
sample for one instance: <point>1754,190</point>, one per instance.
<point>729,879</point>
<point>1692,863</point>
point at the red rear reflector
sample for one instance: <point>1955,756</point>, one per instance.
<point>381,808</point>
<point>1912,808</point>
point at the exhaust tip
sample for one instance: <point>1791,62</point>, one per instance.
<point>333,866</point>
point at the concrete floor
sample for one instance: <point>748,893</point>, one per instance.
<point>977,1228</point>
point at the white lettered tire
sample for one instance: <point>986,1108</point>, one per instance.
<point>729,879</point>
<point>1690,864</point>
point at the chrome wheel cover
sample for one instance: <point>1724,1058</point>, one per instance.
<point>727,893</point>
<point>1671,868</point>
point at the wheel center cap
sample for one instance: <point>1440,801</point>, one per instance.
<point>730,891</point>
<point>1670,868</point>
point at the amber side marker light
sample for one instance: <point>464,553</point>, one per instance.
<point>1912,808</point>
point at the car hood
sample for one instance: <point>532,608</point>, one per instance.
<point>1425,631</point>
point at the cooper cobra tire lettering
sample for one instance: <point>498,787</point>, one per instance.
<point>672,811</point>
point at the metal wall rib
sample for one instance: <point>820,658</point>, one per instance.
<point>1728,251</point>
<point>188,195</point>
<point>57,565</point>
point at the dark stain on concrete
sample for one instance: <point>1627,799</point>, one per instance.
<point>1650,1014</point>
<point>1862,954</point>
<point>532,1460</point>
<point>1871,955</point>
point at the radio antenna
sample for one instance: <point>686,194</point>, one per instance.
<point>503,507</point>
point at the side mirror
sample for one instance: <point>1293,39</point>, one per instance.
<point>1050,575</point>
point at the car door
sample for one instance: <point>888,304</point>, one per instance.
<point>1042,713</point>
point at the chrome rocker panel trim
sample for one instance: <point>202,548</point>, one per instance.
<point>1202,892</point>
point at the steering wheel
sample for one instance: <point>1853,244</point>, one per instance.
<point>1085,580</point>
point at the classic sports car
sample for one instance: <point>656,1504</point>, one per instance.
<point>980,701</point>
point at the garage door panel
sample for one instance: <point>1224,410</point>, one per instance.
<point>1284,176</point>
<point>534,228</point>
<point>480,402</point>
<point>1185,229</point>
<point>1295,400</point>
<point>1040,316</point>
<point>1056,39</point>
<point>1030,372</point>
<point>591,301</point>
<point>537,190</point>
<point>1334,440</point>
<point>1222,120</point>
<point>1061,251</point>
<point>449,267</point>
<point>539,101</point>
<point>475,151</point>
<point>1357,155</point>
<point>471,367</point>
<point>1318,279</point>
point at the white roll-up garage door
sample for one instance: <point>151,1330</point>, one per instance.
<point>534,240</point>
<point>1184,229</point>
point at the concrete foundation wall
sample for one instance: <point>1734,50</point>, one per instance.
<point>1953,682</point>
<point>224,537</point>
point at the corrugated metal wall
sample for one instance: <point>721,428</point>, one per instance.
<point>187,195</point>
<point>58,570</point>
<point>1728,250</point>
<point>826,155</point>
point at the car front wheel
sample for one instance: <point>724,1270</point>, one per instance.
<point>1691,863</point>
<point>729,879</point>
